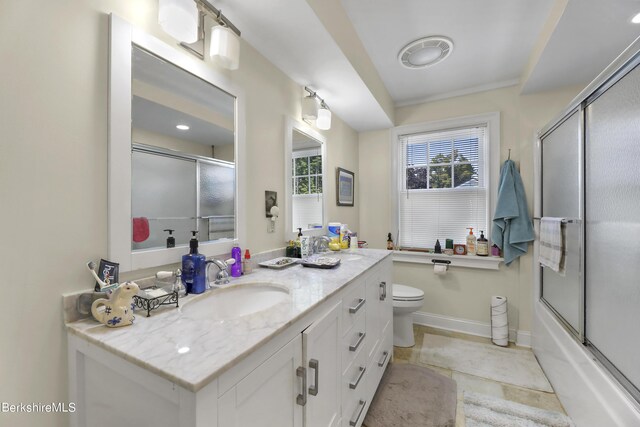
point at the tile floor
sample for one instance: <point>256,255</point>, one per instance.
<point>468,382</point>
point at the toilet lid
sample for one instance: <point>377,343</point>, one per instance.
<point>406,293</point>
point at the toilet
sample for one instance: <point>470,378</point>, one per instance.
<point>406,300</point>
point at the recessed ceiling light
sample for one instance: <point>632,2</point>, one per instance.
<point>182,127</point>
<point>636,19</point>
<point>425,52</point>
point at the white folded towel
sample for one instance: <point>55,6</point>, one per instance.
<point>552,243</point>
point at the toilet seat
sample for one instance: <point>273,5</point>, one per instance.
<point>406,293</point>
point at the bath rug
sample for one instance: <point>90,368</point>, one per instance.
<point>487,411</point>
<point>413,396</point>
<point>507,365</point>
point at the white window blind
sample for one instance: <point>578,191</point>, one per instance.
<point>443,178</point>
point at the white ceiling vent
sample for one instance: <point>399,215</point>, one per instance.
<point>425,52</point>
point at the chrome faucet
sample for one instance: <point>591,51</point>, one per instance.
<point>222,277</point>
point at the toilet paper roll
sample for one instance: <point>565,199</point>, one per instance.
<point>499,321</point>
<point>439,269</point>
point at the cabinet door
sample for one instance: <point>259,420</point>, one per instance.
<point>267,396</point>
<point>322,358</point>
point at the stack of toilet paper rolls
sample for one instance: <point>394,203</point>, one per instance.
<point>499,322</point>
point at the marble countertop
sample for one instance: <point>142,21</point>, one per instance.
<point>214,346</point>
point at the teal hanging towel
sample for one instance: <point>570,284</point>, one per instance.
<point>512,227</point>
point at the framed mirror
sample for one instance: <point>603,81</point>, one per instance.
<point>305,180</point>
<point>175,153</point>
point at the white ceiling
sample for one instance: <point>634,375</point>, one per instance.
<point>492,41</point>
<point>589,36</point>
<point>497,43</point>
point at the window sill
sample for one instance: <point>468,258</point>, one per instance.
<point>467,261</point>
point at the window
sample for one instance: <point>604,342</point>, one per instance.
<point>307,173</point>
<point>307,188</point>
<point>443,180</point>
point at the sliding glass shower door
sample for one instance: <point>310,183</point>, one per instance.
<point>612,213</point>
<point>561,197</point>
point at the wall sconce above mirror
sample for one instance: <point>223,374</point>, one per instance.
<point>305,173</point>
<point>315,109</point>
<point>174,152</point>
<point>184,20</point>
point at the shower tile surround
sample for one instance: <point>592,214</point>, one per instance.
<point>218,346</point>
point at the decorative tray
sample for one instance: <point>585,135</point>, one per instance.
<point>279,263</point>
<point>320,262</point>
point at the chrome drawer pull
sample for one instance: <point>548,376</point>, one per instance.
<point>354,347</point>
<point>383,286</point>
<point>357,307</point>
<point>354,384</point>
<point>385,355</point>
<point>362,404</point>
<point>315,365</point>
<point>302,398</point>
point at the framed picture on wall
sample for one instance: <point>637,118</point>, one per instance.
<point>344,187</point>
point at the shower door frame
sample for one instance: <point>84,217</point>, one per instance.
<point>579,334</point>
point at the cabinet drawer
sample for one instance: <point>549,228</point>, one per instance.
<point>355,389</point>
<point>354,341</point>
<point>381,356</point>
<point>353,304</point>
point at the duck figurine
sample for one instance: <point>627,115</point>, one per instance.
<point>118,310</point>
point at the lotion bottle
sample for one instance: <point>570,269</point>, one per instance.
<point>471,242</point>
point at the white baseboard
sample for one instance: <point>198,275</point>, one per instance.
<point>466,326</point>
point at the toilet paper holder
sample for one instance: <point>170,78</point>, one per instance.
<point>444,262</point>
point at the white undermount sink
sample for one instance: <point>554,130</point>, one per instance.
<point>236,301</point>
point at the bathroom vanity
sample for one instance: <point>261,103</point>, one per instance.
<point>297,347</point>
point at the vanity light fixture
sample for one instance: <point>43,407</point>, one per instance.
<point>323,122</point>
<point>179,19</point>
<point>182,127</point>
<point>636,19</point>
<point>184,20</point>
<point>314,108</point>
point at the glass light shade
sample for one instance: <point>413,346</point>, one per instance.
<point>323,122</point>
<point>310,107</point>
<point>179,19</point>
<point>225,47</point>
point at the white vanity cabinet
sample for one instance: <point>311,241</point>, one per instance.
<point>321,371</point>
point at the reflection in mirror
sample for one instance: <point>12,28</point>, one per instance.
<point>183,170</point>
<point>306,180</point>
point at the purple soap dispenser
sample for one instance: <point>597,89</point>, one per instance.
<point>236,267</point>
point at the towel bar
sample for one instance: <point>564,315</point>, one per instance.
<point>564,221</point>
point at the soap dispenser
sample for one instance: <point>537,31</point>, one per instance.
<point>483,245</point>
<point>171,241</point>
<point>236,254</point>
<point>471,242</point>
<point>194,272</point>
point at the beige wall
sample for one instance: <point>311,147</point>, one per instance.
<point>53,174</point>
<point>463,293</point>
<point>143,136</point>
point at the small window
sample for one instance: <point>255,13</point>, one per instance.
<point>442,184</point>
<point>307,174</point>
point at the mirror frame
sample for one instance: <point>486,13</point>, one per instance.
<point>122,35</point>
<point>290,125</point>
